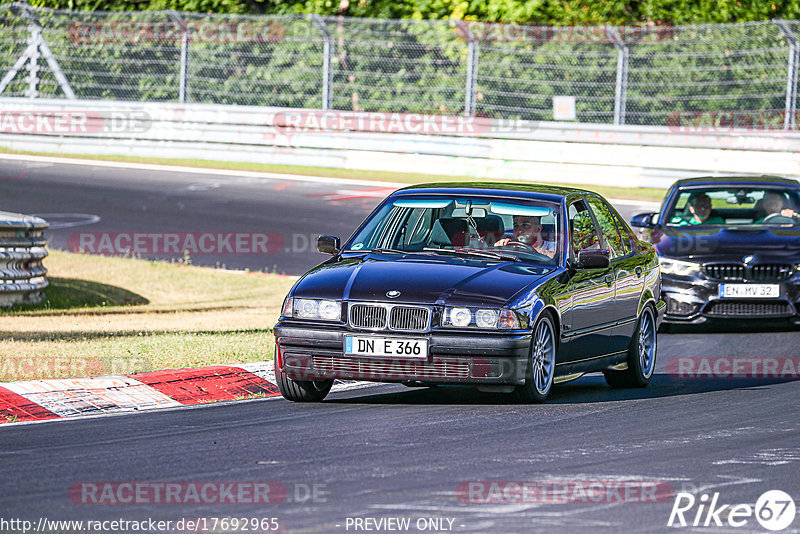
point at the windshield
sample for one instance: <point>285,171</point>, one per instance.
<point>480,227</point>
<point>735,206</point>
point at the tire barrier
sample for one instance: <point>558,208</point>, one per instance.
<point>22,249</point>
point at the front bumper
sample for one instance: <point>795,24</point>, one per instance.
<point>696,301</point>
<point>317,353</point>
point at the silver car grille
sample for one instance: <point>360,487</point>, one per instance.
<point>410,319</point>
<point>390,316</point>
<point>365,316</point>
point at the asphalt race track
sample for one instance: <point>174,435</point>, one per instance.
<point>89,199</point>
<point>387,451</point>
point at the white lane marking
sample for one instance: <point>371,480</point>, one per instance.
<point>266,371</point>
<point>84,219</point>
<point>80,396</point>
<point>249,174</point>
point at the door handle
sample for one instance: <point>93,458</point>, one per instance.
<point>609,280</point>
<point>639,272</point>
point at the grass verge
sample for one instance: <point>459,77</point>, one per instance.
<point>631,193</point>
<point>111,315</point>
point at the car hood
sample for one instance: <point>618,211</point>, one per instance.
<point>419,279</point>
<point>729,242</point>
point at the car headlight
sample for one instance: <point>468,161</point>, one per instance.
<point>678,267</point>
<point>325,310</point>
<point>484,318</point>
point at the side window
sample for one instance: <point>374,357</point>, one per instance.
<point>583,234</point>
<point>608,227</point>
<point>629,238</point>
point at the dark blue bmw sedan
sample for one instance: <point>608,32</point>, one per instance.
<point>729,248</point>
<point>511,288</point>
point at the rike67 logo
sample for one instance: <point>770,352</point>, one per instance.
<point>774,510</point>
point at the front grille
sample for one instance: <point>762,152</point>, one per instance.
<point>726,271</point>
<point>409,319</point>
<point>770,273</point>
<point>401,318</point>
<point>367,369</point>
<point>735,272</point>
<point>365,316</point>
<point>749,309</point>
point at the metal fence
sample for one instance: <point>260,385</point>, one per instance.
<point>637,75</point>
<point>22,249</point>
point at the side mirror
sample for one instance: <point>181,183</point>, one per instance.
<point>643,220</point>
<point>328,244</point>
<point>593,259</point>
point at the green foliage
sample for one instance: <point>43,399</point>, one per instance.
<point>513,11</point>
<point>413,65</point>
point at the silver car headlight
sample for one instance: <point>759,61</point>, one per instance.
<point>483,318</point>
<point>324,310</point>
<point>678,267</point>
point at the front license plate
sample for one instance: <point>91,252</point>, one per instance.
<point>749,291</point>
<point>385,347</point>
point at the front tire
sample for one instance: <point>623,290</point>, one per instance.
<point>541,363</point>
<point>301,390</point>
<point>641,355</point>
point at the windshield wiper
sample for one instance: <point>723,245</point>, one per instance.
<point>383,250</point>
<point>473,252</point>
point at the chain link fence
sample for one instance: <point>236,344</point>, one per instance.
<point>640,75</point>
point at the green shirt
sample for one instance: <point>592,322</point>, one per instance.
<point>691,221</point>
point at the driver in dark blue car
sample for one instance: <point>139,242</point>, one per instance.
<point>773,205</point>
<point>528,231</point>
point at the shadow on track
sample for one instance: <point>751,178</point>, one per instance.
<point>753,326</point>
<point>586,390</point>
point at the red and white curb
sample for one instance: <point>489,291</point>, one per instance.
<point>39,400</point>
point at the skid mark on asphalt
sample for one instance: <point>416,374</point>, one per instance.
<point>766,457</point>
<point>585,452</point>
<point>477,517</point>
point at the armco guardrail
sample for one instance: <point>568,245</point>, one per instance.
<point>628,156</point>
<point>22,249</point>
